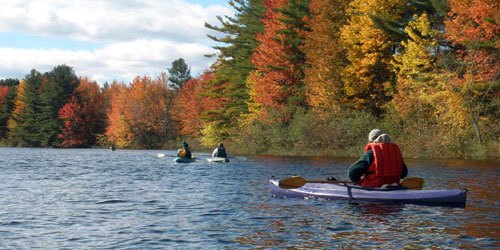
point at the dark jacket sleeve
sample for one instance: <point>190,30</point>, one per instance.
<point>405,171</point>
<point>356,170</point>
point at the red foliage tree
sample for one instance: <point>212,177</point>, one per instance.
<point>84,116</point>
<point>72,132</point>
<point>191,103</point>
<point>475,26</point>
<point>3,92</point>
<point>270,59</point>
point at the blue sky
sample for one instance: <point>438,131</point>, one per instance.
<point>106,40</point>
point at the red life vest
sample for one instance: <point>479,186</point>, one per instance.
<point>386,167</point>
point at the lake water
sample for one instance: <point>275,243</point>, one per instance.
<point>130,199</point>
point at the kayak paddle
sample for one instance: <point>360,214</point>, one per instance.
<point>297,181</point>
<point>413,183</point>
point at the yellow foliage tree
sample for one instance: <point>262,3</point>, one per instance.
<point>14,119</point>
<point>325,54</point>
<point>254,107</point>
<point>369,80</point>
<point>424,96</point>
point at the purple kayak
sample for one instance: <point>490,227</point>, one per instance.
<point>342,191</point>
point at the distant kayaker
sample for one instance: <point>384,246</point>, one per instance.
<point>185,151</point>
<point>381,162</point>
<point>220,151</point>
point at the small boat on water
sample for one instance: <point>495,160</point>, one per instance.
<point>344,191</point>
<point>184,159</point>
<point>218,159</point>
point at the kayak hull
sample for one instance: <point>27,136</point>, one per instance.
<point>183,160</point>
<point>334,191</point>
<point>218,159</point>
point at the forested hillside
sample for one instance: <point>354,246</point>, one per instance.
<point>298,77</point>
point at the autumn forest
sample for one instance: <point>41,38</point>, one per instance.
<point>292,77</point>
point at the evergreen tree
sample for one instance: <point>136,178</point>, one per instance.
<point>10,82</point>
<point>61,84</point>
<point>280,58</point>
<point>436,10</point>
<point>27,131</point>
<point>7,102</point>
<point>6,108</point>
<point>233,64</point>
<point>296,16</point>
<point>180,73</point>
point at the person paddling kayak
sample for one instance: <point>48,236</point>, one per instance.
<point>381,162</point>
<point>185,151</point>
<point>220,151</point>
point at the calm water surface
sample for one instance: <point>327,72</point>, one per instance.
<point>129,199</point>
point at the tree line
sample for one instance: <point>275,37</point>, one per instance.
<point>314,76</point>
<point>295,77</point>
<point>59,109</point>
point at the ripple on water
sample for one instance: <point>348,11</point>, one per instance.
<point>130,199</point>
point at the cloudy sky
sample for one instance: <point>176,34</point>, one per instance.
<point>106,39</point>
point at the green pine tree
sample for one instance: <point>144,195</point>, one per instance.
<point>296,15</point>
<point>233,64</point>
<point>8,104</point>
<point>28,131</point>
<point>61,84</point>
<point>437,10</point>
<point>179,73</point>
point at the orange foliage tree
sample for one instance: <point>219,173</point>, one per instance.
<point>474,27</point>
<point>270,59</point>
<point>147,112</point>
<point>84,116</point>
<point>325,54</point>
<point>3,93</point>
<point>139,113</point>
<point>192,103</point>
<point>118,130</point>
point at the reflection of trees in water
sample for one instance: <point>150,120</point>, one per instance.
<point>377,211</point>
<point>290,227</point>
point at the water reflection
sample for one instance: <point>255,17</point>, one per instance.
<point>378,212</point>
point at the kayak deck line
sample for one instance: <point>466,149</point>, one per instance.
<point>342,191</point>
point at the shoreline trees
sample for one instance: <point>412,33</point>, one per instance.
<point>296,77</point>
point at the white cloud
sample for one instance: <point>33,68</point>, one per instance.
<point>138,37</point>
<point>117,61</point>
<point>110,21</point>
